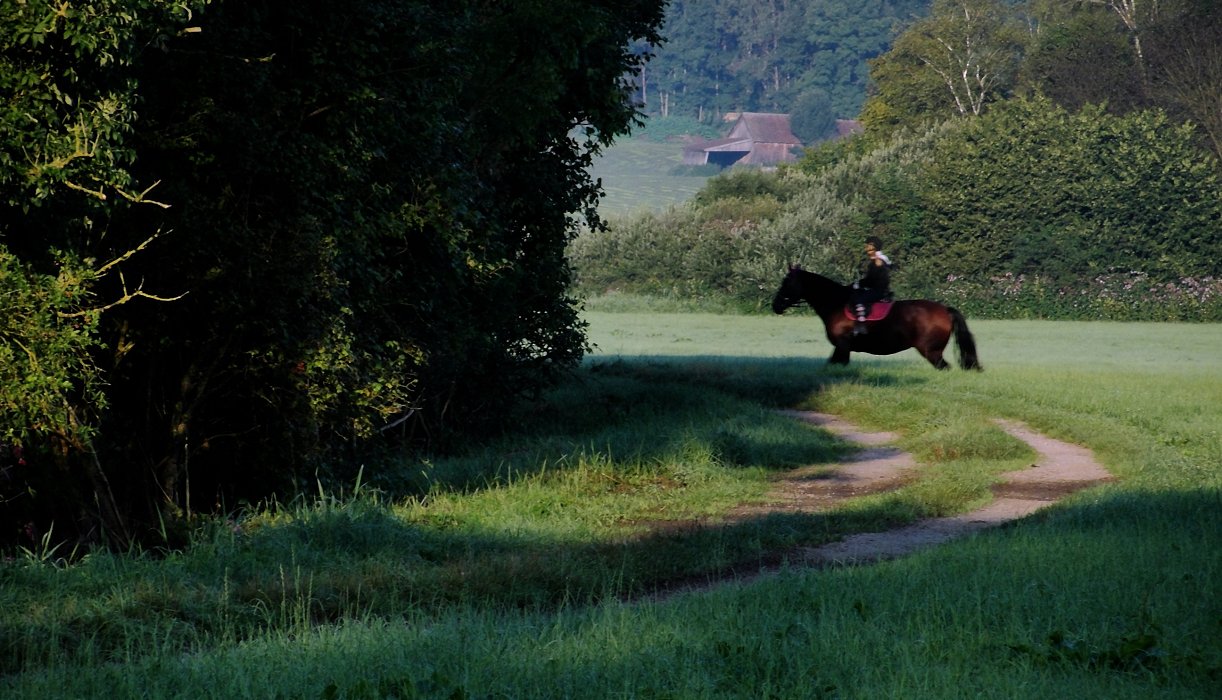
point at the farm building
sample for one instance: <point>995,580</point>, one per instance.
<point>757,139</point>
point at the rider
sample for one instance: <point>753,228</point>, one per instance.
<point>874,285</point>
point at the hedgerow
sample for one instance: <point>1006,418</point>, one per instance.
<point>1029,211</point>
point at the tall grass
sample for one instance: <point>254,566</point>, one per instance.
<point>506,577</point>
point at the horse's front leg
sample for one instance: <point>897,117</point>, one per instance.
<point>840,356</point>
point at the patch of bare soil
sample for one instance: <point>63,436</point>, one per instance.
<point>873,469</point>
<point>1061,468</point>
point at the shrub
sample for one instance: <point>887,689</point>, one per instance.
<point>1032,189</point>
<point>1112,296</point>
<point>747,183</point>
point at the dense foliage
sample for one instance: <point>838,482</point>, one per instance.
<point>1027,211</point>
<point>968,54</point>
<point>904,64</point>
<point>1034,189</point>
<point>244,243</point>
<point>1035,158</point>
<point>805,57</point>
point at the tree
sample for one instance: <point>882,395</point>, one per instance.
<point>973,48</point>
<point>761,55</point>
<point>951,63</point>
<point>1077,57</point>
<point>368,211</point>
<point>812,118</point>
<point>1129,56</point>
<point>1185,57</point>
<point>65,175</point>
<point>1135,15</point>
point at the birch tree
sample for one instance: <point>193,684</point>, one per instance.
<point>951,63</point>
<point>973,48</point>
<point>1135,15</point>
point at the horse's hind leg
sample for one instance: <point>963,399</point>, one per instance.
<point>839,357</point>
<point>934,355</point>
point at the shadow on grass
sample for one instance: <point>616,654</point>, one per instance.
<point>621,414</point>
<point>336,570</point>
<point>650,408</point>
<point>357,561</point>
<point>774,382</point>
<point>1163,633</point>
<point>351,557</point>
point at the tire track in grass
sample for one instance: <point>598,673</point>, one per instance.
<point>1061,468</point>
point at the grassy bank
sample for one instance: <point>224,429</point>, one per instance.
<point>506,576</point>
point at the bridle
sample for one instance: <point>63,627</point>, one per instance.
<point>793,301</point>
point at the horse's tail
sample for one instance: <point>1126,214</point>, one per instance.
<point>964,341</point>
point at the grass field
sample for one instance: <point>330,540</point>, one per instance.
<point>634,172</point>
<point>509,576</point>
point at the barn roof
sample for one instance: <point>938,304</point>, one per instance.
<point>761,139</point>
<point>729,144</point>
<point>763,127</point>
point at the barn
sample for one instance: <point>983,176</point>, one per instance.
<point>758,138</point>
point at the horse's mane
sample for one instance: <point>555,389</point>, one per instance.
<point>817,278</point>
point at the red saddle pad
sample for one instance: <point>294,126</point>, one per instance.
<point>878,311</point>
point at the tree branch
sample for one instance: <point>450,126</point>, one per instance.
<point>106,268</point>
<point>127,296</point>
<point>138,293</point>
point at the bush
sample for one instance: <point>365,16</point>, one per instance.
<point>1112,296</point>
<point>678,254</point>
<point>1032,189</point>
<point>745,184</point>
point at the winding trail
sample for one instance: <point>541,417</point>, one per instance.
<point>1061,469</point>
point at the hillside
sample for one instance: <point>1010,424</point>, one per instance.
<point>635,173</point>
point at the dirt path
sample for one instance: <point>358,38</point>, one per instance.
<point>1060,469</point>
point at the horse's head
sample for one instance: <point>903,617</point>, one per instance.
<point>790,293</point>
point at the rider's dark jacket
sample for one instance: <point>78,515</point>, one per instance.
<point>875,283</point>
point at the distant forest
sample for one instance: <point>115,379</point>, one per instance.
<point>1022,158</point>
<point>771,56</point>
<point>906,63</point>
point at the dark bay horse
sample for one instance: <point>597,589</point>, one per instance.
<point>917,323</point>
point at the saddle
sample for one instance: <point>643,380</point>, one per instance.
<point>877,312</point>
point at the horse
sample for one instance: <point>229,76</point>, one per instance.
<point>914,323</point>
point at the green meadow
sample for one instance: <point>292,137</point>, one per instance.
<point>524,567</point>
<point>635,174</point>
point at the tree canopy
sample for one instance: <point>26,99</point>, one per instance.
<point>770,56</point>
<point>248,242</point>
<point>968,54</point>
